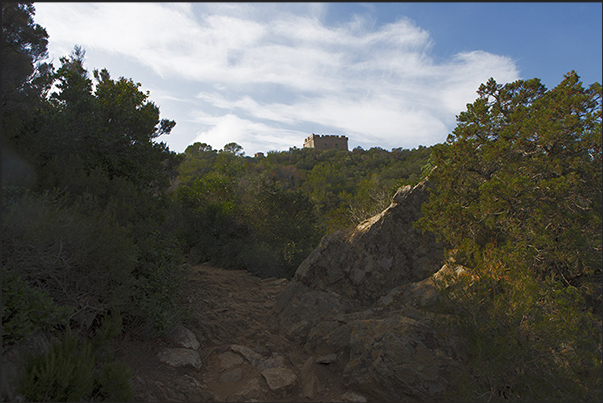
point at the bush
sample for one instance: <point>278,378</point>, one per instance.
<point>64,373</point>
<point>81,262</point>
<point>26,309</point>
<point>525,340</point>
<point>74,370</point>
<point>79,259</point>
<point>158,280</point>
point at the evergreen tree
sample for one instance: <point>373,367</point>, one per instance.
<point>517,197</point>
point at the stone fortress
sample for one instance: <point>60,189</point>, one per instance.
<point>326,142</point>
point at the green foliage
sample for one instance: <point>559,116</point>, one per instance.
<point>518,198</point>
<point>522,171</point>
<point>76,370</point>
<point>81,262</point>
<point>284,229</point>
<point>96,177</point>
<point>158,275</point>
<point>114,383</point>
<point>84,241</point>
<point>266,215</point>
<point>26,309</point>
<point>64,374</point>
<point>525,340</point>
<point>24,44</point>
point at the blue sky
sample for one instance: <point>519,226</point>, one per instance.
<point>266,75</point>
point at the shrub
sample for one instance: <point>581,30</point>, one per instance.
<point>26,309</point>
<point>158,280</point>
<point>64,373</point>
<point>74,370</point>
<point>80,261</point>
<point>525,340</point>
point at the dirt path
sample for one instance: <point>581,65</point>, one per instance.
<point>228,307</point>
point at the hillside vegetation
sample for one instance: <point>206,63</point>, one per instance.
<point>267,214</point>
<point>100,219</point>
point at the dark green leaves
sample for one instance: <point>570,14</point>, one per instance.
<point>517,198</point>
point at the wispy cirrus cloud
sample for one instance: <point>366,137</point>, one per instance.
<point>263,75</point>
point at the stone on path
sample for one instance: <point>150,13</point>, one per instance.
<point>352,397</point>
<point>309,380</point>
<point>251,392</point>
<point>250,355</point>
<point>229,359</point>
<point>234,375</point>
<point>326,359</point>
<point>180,357</point>
<point>280,380</point>
<point>273,362</point>
<point>183,337</point>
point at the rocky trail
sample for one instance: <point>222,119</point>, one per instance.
<point>232,349</point>
<point>354,324</point>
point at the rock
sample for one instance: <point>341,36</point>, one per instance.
<point>336,341</point>
<point>397,358</point>
<point>326,359</point>
<point>250,355</point>
<point>273,362</point>
<point>381,253</point>
<point>420,294</point>
<point>228,360</point>
<point>233,375</point>
<point>309,380</point>
<point>360,302</point>
<point>251,392</point>
<point>280,380</point>
<point>183,337</point>
<point>352,397</point>
<point>299,308</point>
<point>180,357</point>
<point>320,330</point>
<point>354,268</point>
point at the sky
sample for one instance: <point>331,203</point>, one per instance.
<point>267,75</point>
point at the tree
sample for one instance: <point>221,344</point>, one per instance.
<point>233,148</point>
<point>517,197</point>
<point>25,81</point>
<point>24,43</point>
<point>522,171</point>
<point>198,148</point>
<point>130,124</point>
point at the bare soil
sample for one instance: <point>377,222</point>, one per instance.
<point>227,307</point>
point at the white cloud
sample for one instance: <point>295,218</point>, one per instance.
<point>263,73</point>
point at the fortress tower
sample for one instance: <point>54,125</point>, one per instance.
<point>326,142</point>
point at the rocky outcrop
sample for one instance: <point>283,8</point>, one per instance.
<point>360,304</point>
<point>352,269</point>
<point>382,252</point>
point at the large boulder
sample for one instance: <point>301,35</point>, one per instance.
<point>382,252</point>
<point>352,269</point>
<point>360,303</point>
<point>396,349</point>
<point>397,359</point>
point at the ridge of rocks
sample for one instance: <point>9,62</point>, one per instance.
<point>362,298</point>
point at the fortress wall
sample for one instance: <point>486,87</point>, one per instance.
<point>326,142</point>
